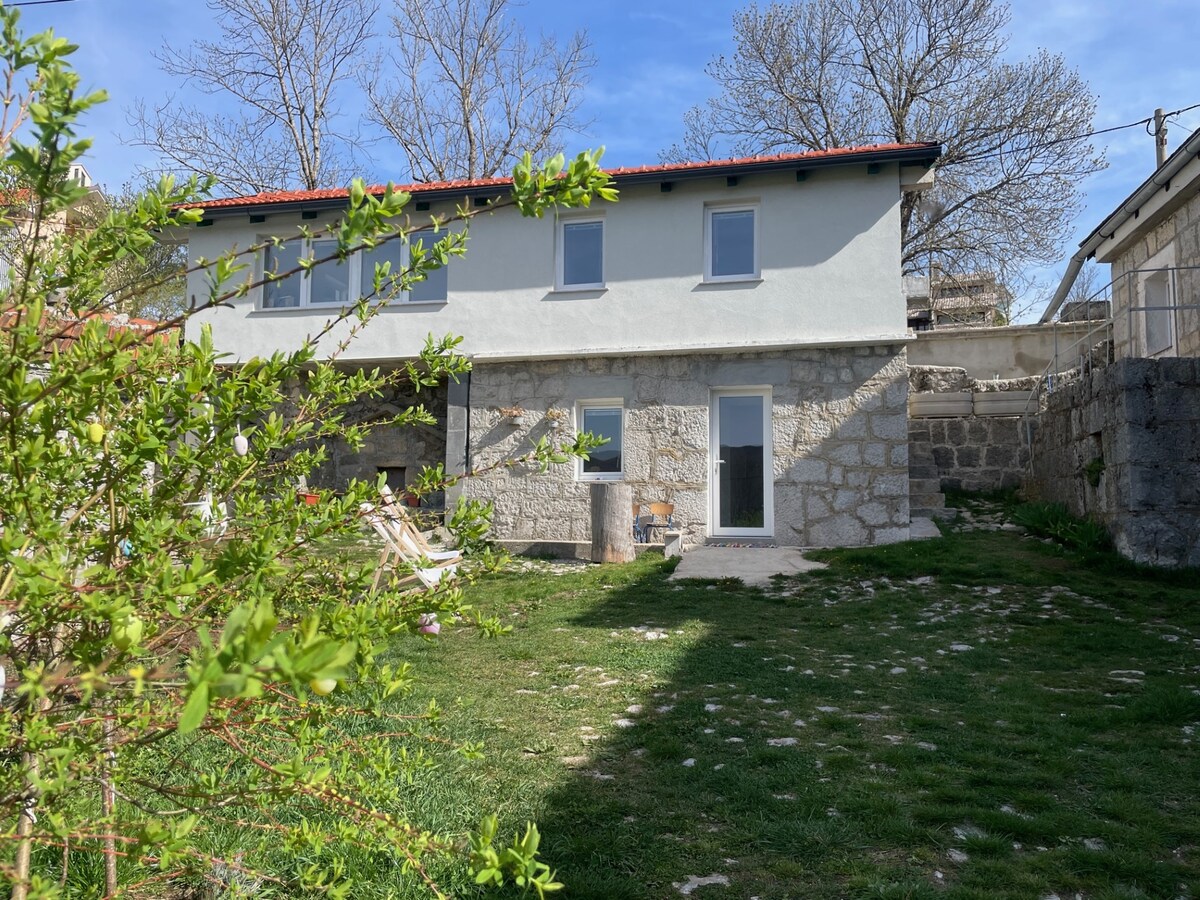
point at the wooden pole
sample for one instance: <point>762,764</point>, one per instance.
<point>612,522</point>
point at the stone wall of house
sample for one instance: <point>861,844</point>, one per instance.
<point>1122,445</point>
<point>975,453</point>
<point>839,437</point>
<point>409,448</point>
<point>1180,230</point>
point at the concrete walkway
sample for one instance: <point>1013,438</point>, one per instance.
<point>753,565</point>
<point>756,565</point>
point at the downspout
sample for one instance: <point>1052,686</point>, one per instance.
<point>1159,180</point>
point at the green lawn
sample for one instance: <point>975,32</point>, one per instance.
<point>980,716</point>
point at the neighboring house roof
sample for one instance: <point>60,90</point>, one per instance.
<point>1170,185</point>
<point>924,153</point>
<point>66,327</point>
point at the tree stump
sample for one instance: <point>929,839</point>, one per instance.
<point>612,522</point>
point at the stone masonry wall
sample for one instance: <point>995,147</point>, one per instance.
<point>410,447</point>
<point>1122,445</point>
<point>839,437</point>
<point>975,453</point>
<point>1182,230</point>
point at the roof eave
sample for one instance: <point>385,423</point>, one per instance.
<point>925,155</point>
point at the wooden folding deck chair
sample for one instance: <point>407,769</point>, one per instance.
<point>398,513</point>
<point>400,548</point>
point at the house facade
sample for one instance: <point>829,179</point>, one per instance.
<point>736,329</point>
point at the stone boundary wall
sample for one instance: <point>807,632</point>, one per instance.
<point>1122,445</point>
<point>839,437</point>
<point>975,453</point>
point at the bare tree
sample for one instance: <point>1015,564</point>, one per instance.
<point>823,73</point>
<point>471,92</point>
<point>282,63</point>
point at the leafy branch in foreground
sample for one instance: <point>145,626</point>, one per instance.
<point>194,697</point>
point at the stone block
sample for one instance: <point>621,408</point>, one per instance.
<point>967,457</point>
<point>837,531</point>
<point>846,454</point>
<point>809,471</point>
<point>874,513</point>
<point>891,427</point>
<point>890,485</point>
<point>893,535</point>
<point>899,456</point>
<point>943,458</point>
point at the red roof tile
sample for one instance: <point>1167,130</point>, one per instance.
<point>275,197</point>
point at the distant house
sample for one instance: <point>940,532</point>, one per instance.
<point>735,328</point>
<point>971,300</point>
<point>1152,242</point>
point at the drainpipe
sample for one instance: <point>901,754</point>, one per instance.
<point>1156,182</point>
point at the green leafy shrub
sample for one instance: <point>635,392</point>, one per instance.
<point>179,666</point>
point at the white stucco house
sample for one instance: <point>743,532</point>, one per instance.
<point>736,328</point>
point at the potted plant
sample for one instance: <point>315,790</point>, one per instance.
<point>558,418</point>
<point>514,414</point>
<point>304,495</point>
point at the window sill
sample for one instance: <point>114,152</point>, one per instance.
<point>581,289</point>
<point>734,279</point>
<point>614,476</point>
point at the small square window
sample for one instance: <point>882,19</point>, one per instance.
<point>581,254</point>
<point>731,247</point>
<point>604,421</point>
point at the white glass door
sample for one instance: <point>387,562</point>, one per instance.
<point>742,479</point>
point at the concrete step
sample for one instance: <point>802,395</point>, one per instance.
<point>917,512</point>
<point>923,485</point>
<point>927,501</point>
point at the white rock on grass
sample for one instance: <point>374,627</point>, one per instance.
<point>696,881</point>
<point>957,856</point>
<point>711,707</point>
<point>689,762</point>
<point>624,723</point>
<point>960,648</point>
<point>782,742</point>
<point>898,670</point>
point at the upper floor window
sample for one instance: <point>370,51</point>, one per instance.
<point>580,262</point>
<point>433,288</point>
<point>730,243</point>
<point>336,284</point>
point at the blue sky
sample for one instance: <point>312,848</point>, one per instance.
<point>650,70</point>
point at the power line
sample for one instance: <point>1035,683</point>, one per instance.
<point>997,152</point>
<point>39,2</point>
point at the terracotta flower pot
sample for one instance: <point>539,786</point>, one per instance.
<point>308,498</point>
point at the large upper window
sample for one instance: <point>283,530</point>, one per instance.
<point>603,419</point>
<point>730,243</point>
<point>434,288</point>
<point>334,284</point>
<point>580,262</point>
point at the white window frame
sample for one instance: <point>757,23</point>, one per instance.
<point>357,278</point>
<point>1156,269</point>
<point>580,408</point>
<point>714,208</point>
<point>560,253</point>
